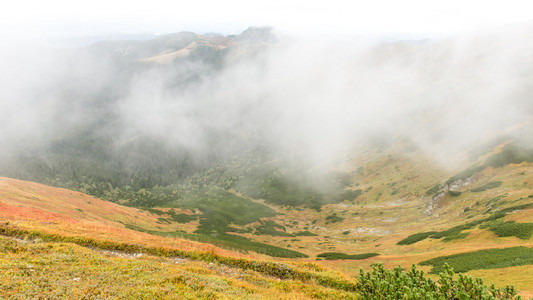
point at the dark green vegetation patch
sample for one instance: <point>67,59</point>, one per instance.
<point>454,193</point>
<point>182,218</point>
<point>220,209</point>
<point>333,218</point>
<point>456,232</point>
<point>338,255</point>
<point>305,233</point>
<point>434,190</point>
<point>416,238</point>
<point>228,241</point>
<point>271,228</point>
<point>482,259</point>
<point>520,230</point>
<point>488,186</point>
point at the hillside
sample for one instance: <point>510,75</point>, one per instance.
<point>398,202</point>
<point>76,255</point>
<point>254,164</point>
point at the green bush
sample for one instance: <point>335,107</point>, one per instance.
<point>413,238</point>
<point>483,259</point>
<point>271,228</point>
<point>520,230</point>
<point>399,284</point>
<point>454,193</point>
<point>333,218</point>
<point>305,233</point>
<point>337,255</point>
<point>182,218</point>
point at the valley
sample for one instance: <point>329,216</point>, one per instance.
<point>236,167</point>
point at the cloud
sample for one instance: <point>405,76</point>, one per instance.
<point>314,101</point>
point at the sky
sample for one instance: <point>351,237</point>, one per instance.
<point>53,19</point>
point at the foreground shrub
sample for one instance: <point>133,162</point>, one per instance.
<point>398,284</point>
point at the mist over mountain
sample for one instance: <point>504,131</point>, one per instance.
<point>177,104</point>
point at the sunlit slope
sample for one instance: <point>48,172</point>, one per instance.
<point>35,206</point>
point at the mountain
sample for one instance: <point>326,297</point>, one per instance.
<point>237,161</point>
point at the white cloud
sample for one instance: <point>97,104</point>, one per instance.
<point>70,18</point>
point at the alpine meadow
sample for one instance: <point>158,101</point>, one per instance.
<point>264,165</point>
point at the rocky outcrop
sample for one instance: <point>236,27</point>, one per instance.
<point>455,185</point>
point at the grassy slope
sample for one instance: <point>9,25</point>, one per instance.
<point>34,206</point>
<point>379,218</point>
<point>63,270</point>
<point>391,208</point>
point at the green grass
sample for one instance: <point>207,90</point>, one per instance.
<point>482,259</point>
<point>337,255</point>
<point>520,230</point>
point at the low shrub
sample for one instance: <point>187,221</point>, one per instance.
<point>454,193</point>
<point>488,186</point>
<point>334,218</point>
<point>337,255</point>
<point>305,233</point>
<point>482,259</point>
<point>520,230</point>
<point>457,231</point>
<point>413,238</point>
